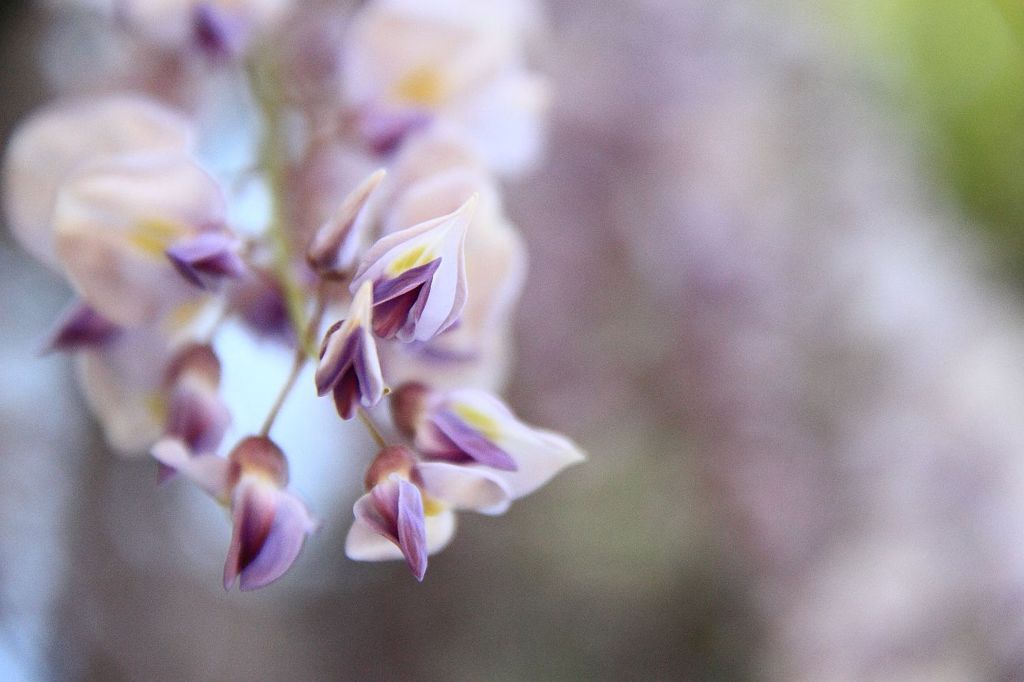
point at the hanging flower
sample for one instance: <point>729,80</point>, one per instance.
<point>349,366</point>
<point>408,511</point>
<point>269,522</point>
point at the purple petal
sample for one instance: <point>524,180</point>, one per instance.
<point>209,472</point>
<point>198,417</point>
<point>391,316</point>
<point>387,289</point>
<point>252,513</point>
<point>346,394</point>
<point>471,442</point>
<point>385,130</point>
<point>336,357</point>
<point>394,509</point>
<point>206,258</point>
<point>292,523</point>
<point>378,509</point>
<point>367,368</point>
<point>216,34</point>
<point>80,326</point>
<point>412,535</point>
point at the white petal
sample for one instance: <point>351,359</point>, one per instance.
<point>363,544</point>
<point>465,486</point>
<point>540,455</point>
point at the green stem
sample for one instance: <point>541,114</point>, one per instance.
<point>307,340</point>
<point>273,157</point>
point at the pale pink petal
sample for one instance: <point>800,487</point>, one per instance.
<point>461,486</point>
<point>51,144</point>
<point>114,221</point>
<point>540,455</point>
<point>209,472</point>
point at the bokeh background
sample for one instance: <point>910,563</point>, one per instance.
<point>776,292</point>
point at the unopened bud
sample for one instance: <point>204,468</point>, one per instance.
<point>392,459</point>
<point>408,404</point>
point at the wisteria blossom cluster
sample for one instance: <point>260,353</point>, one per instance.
<point>331,181</point>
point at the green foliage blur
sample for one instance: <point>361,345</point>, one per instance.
<point>958,68</point>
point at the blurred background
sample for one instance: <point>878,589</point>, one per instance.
<point>777,266</point>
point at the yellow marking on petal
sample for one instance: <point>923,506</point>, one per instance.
<point>413,258</point>
<point>184,314</point>
<point>424,87</point>
<point>156,405</point>
<point>484,423</point>
<point>154,236</point>
<point>431,506</point>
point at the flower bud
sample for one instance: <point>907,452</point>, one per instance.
<point>392,459</point>
<point>335,246</point>
<point>408,404</point>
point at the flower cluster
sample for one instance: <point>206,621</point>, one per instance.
<point>378,230</point>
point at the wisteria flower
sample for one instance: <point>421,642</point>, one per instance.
<point>269,522</point>
<point>474,352</point>
<point>196,414</point>
<point>419,276</point>
<point>123,381</point>
<point>459,64</point>
<point>116,219</point>
<point>408,511</point>
<point>292,110</point>
<point>474,426</point>
<point>349,366</point>
<point>55,141</point>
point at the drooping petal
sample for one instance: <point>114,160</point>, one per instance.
<point>78,327</point>
<point>464,486</point>
<point>269,523</point>
<point>207,471</point>
<point>195,411</point>
<point>540,455</point>
<point>253,508</point>
<point>393,510</point>
<point>412,533</point>
<point>281,547</point>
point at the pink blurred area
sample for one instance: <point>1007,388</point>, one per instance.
<point>798,382</point>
